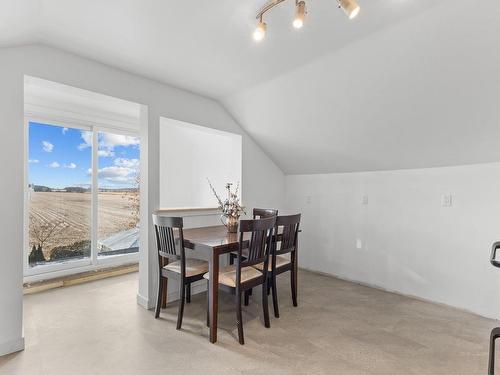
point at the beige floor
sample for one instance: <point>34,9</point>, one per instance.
<point>338,328</point>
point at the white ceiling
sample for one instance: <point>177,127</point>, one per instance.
<point>409,83</point>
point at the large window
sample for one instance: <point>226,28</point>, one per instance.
<point>118,203</point>
<point>59,196</point>
<point>82,196</point>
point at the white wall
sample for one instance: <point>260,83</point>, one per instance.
<point>189,154</point>
<point>161,100</point>
<point>410,242</point>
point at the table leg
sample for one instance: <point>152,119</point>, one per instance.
<point>213,292</point>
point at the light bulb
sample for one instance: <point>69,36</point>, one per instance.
<point>260,31</point>
<point>300,14</point>
<point>350,7</point>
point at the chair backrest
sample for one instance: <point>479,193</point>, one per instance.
<point>287,230</point>
<point>170,239</point>
<point>258,245</point>
<point>262,213</point>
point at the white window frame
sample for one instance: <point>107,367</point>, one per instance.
<point>94,262</point>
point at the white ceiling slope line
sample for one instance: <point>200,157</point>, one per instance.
<point>419,94</point>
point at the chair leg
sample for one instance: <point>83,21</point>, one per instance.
<point>231,259</point>
<point>275,297</point>
<point>164,293</point>
<point>182,298</point>
<point>293,282</point>
<point>159,299</point>
<point>188,293</point>
<point>247,297</point>
<point>265,306</point>
<point>495,333</point>
<point>239,318</point>
<point>208,307</point>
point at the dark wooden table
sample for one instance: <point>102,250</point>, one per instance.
<point>214,241</point>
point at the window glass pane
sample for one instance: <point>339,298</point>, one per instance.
<point>118,202</point>
<point>59,198</point>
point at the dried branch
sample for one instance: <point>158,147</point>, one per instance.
<point>221,205</point>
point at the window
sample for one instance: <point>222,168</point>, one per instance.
<point>59,195</point>
<point>118,202</point>
<point>73,218</point>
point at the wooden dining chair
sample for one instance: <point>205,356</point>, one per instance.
<point>256,237</point>
<point>258,213</point>
<point>172,262</point>
<point>285,241</point>
<point>262,213</point>
<point>495,333</point>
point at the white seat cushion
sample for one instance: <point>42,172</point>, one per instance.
<point>280,262</point>
<point>193,267</point>
<point>227,275</point>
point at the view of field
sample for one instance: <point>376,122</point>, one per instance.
<point>61,171</point>
<point>65,218</point>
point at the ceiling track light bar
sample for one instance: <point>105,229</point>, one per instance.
<point>350,7</point>
<point>270,5</point>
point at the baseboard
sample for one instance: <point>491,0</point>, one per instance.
<point>144,302</point>
<point>12,346</point>
<point>393,291</point>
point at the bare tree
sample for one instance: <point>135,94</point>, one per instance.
<point>134,203</point>
<point>41,231</point>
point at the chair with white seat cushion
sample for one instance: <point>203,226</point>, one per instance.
<point>172,262</point>
<point>283,256</point>
<point>255,237</point>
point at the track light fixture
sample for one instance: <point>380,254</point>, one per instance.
<point>350,7</point>
<point>260,31</point>
<point>300,14</point>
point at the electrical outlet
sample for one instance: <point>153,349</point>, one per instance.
<point>308,199</point>
<point>364,201</point>
<point>447,200</point>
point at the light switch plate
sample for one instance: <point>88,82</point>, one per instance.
<point>447,200</point>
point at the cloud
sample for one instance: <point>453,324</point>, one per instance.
<point>70,166</point>
<point>47,146</point>
<point>64,130</point>
<point>87,140</point>
<point>105,153</point>
<point>116,174</point>
<point>34,161</point>
<point>108,142</point>
<point>54,164</point>
<point>127,163</point>
<point>123,172</point>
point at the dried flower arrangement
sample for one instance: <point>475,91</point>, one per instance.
<point>230,208</point>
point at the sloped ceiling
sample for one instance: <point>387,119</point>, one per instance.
<point>409,83</point>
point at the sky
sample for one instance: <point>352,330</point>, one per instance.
<point>60,157</point>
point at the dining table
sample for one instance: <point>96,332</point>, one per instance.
<point>214,241</point>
